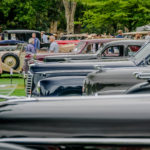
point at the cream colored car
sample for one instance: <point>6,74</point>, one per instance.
<point>13,59</point>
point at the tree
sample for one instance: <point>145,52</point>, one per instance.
<point>70,8</point>
<point>111,15</point>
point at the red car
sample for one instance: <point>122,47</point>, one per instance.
<point>64,42</point>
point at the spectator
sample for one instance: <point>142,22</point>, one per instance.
<point>54,48</point>
<point>148,36</point>
<point>120,34</point>
<point>137,36</point>
<point>30,47</point>
<point>36,42</point>
<point>1,37</point>
<point>44,37</point>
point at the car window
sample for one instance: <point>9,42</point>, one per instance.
<point>91,48</point>
<point>6,36</point>
<point>87,49</point>
<point>115,51</point>
<point>133,49</point>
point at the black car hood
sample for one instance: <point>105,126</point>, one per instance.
<point>110,116</point>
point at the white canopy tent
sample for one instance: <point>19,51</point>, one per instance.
<point>143,28</point>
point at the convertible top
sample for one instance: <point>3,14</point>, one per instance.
<point>10,42</point>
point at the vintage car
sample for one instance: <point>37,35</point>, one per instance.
<point>90,43</point>
<point>99,123</point>
<point>131,86</point>
<point>33,84</point>
<point>105,80</point>
<point>22,35</point>
<point>81,48</point>
<point>13,58</point>
<point>140,59</point>
<point>109,49</point>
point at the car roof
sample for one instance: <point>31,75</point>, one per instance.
<point>126,42</point>
<point>103,40</point>
<point>20,31</point>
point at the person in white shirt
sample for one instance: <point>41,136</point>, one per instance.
<point>44,37</point>
<point>54,48</point>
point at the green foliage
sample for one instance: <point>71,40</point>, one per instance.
<point>16,79</point>
<point>35,14</point>
<point>110,15</point>
<point>97,16</point>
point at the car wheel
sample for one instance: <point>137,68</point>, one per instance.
<point>11,59</point>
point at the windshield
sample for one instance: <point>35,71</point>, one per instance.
<point>142,54</point>
<point>79,47</point>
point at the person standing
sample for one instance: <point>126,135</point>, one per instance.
<point>36,42</point>
<point>30,49</point>
<point>120,34</point>
<point>148,36</point>
<point>1,37</point>
<point>54,48</point>
<point>43,37</point>
<point>137,36</point>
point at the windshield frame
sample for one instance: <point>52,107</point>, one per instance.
<point>80,46</point>
<point>136,58</point>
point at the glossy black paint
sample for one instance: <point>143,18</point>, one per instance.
<point>6,146</point>
<point>112,79</point>
<point>105,116</point>
<point>141,88</point>
<point>74,66</point>
<point>58,73</point>
<point>61,86</point>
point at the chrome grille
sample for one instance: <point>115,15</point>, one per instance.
<point>29,84</point>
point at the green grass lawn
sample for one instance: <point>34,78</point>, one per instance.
<point>16,79</point>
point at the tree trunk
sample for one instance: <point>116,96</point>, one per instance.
<point>53,27</point>
<point>70,8</point>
